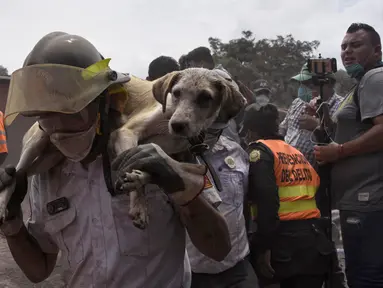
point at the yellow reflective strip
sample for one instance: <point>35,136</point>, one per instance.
<point>98,125</point>
<point>296,191</point>
<point>347,99</point>
<point>94,69</point>
<point>253,211</point>
<point>297,206</point>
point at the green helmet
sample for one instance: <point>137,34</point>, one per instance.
<point>305,75</point>
<point>63,48</point>
<point>63,73</point>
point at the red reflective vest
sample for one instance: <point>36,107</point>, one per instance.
<point>3,137</point>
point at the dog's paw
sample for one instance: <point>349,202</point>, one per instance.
<point>140,217</point>
<point>138,211</point>
<point>134,181</point>
<point>140,222</point>
<point>137,179</point>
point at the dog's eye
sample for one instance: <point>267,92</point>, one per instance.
<point>204,98</point>
<point>177,93</point>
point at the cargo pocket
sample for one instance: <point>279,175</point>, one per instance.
<point>132,241</point>
<point>232,184</point>
<point>62,228</point>
<point>324,246</point>
<point>283,249</point>
<point>294,253</point>
<point>282,256</point>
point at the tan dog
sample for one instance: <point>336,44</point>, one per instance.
<point>184,104</point>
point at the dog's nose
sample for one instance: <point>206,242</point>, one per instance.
<point>179,127</point>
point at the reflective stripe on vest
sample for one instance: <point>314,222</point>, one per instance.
<point>3,138</point>
<point>253,211</point>
<point>297,182</point>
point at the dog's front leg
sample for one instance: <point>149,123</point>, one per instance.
<point>5,196</point>
<point>34,145</point>
<point>138,203</point>
<point>122,140</point>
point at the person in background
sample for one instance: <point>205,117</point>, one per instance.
<point>357,158</point>
<point>298,127</point>
<point>183,62</point>
<point>289,245</point>
<point>263,95</point>
<point>3,140</point>
<point>199,57</point>
<point>300,120</point>
<point>161,66</point>
<point>262,92</point>
<point>228,160</point>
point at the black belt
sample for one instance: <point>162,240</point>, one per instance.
<point>294,225</point>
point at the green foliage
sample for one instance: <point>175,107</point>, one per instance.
<point>3,71</point>
<point>275,60</point>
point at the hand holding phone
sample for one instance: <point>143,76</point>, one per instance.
<point>327,153</point>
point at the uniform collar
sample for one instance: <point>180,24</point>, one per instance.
<point>276,137</point>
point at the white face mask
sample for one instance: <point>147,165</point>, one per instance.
<point>262,99</point>
<point>75,146</point>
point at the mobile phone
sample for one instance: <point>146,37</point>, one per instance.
<point>322,66</point>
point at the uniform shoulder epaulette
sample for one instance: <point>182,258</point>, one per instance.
<point>254,143</point>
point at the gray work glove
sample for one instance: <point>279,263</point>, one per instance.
<point>181,181</point>
<point>7,176</point>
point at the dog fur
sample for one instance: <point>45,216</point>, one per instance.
<point>167,112</point>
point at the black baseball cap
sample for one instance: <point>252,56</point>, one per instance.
<point>260,85</point>
<point>256,114</point>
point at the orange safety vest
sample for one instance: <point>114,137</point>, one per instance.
<point>3,137</point>
<point>297,182</point>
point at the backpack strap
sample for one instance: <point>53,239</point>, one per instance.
<point>355,98</point>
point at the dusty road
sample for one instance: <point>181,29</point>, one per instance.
<point>11,275</point>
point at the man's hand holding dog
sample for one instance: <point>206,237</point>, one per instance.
<point>181,181</point>
<point>8,178</point>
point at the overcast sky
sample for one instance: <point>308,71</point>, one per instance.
<point>133,33</point>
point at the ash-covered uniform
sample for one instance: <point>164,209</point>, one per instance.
<point>230,162</point>
<point>99,244</point>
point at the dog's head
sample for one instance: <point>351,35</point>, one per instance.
<point>197,97</point>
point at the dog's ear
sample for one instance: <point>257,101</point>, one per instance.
<point>232,100</point>
<point>163,86</point>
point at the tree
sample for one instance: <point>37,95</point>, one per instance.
<point>275,60</point>
<point>3,71</point>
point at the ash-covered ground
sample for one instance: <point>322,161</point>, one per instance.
<point>12,277</point>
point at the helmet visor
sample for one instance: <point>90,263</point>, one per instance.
<point>42,88</point>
